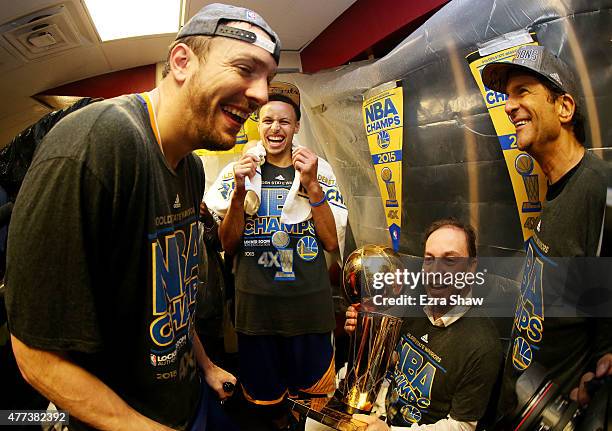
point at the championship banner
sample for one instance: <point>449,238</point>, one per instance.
<point>383,121</point>
<point>248,132</point>
<point>528,180</point>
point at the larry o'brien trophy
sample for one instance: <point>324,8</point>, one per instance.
<point>387,176</point>
<point>524,165</point>
<point>371,346</point>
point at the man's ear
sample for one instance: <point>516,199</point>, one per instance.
<point>472,264</point>
<point>566,108</point>
<point>297,127</point>
<point>179,60</point>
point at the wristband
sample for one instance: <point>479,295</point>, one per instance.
<point>318,204</point>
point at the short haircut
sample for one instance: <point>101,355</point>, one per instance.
<point>200,45</point>
<point>470,233</point>
<point>577,119</point>
<point>281,98</point>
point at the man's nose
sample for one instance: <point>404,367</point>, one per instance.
<point>257,93</point>
<point>511,105</point>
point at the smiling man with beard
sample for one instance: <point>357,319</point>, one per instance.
<point>108,214</point>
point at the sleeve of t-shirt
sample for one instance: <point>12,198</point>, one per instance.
<point>472,396</point>
<point>59,240</point>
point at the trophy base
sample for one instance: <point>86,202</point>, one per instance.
<point>328,411</point>
<point>532,207</point>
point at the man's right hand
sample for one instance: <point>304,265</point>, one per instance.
<point>351,319</point>
<point>245,167</point>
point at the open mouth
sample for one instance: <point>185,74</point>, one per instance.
<point>275,140</point>
<point>521,123</point>
<point>236,115</point>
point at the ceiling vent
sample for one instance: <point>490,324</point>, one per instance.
<point>42,33</point>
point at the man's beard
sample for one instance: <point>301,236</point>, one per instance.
<point>210,138</point>
<point>206,134</point>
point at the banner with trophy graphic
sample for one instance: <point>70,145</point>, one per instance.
<point>528,180</point>
<point>383,120</point>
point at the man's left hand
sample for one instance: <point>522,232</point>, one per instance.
<point>374,424</point>
<point>604,368</point>
<point>306,163</point>
<point>215,377</point>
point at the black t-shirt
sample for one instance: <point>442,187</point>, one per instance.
<point>103,257</point>
<point>443,371</point>
<point>570,226</point>
<point>282,286</point>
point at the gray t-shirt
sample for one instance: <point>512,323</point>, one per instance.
<point>103,257</point>
<point>282,285</point>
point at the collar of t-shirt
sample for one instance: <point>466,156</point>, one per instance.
<point>555,189</point>
<point>450,317</point>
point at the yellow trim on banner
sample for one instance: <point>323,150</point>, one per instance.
<point>383,119</point>
<point>528,180</point>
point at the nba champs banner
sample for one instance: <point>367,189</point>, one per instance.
<point>528,181</point>
<point>383,121</point>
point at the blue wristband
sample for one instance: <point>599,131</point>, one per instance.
<point>318,204</point>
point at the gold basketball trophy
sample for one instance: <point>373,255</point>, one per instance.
<point>524,165</point>
<point>280,240</point>
<point>372,345</point>
<point>387,177</point>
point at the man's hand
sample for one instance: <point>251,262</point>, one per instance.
<point>306,163</point>
<point>350,324</point>
<point>604,368</point>
<point>245,167</point>
<point>215,377</point>
<point>374,424</point>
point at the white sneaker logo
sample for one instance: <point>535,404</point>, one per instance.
<point>280,177</point>
<point>425,338</point>
<point>177,202</point>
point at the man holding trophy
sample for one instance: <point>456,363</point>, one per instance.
<point>449,359</point>
<point>277,221</point>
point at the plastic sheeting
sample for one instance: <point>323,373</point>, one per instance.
<point>452,161</point>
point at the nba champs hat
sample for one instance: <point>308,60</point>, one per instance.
<point>533,59</point>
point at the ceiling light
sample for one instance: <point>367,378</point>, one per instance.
<point>119,19</point>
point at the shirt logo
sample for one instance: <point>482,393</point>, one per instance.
<point>279,177</point>
<point>425,338</point>
<point>177,202</point>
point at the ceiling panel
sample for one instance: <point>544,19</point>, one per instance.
<point>125,54</point>
<point>296,22</point>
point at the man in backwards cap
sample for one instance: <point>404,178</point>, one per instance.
<point>108,217</point>
<point>543,106</point>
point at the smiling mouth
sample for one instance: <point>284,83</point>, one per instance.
<point>235,114</point>
<point>275,140</point>
<point>521,123</point>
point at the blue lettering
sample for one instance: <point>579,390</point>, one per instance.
<point>390,108</point>
<point>174,284</point>
<point>493,97</point>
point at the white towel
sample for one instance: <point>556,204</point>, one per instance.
<point>296,209</point>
